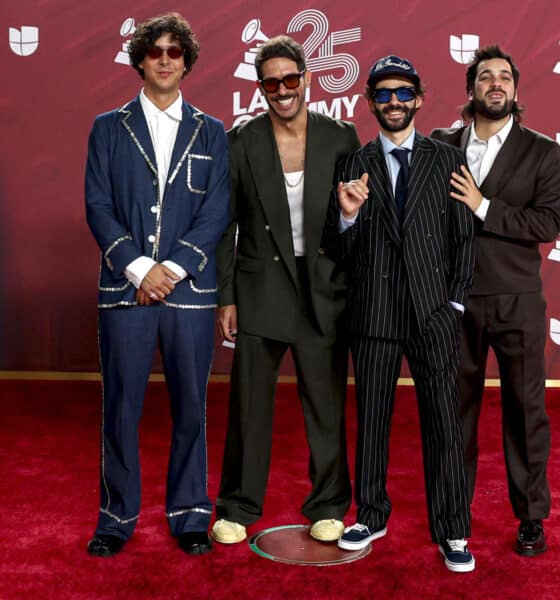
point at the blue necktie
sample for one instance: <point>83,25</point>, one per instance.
<point>401,188</point>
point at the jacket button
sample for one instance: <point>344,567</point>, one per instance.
<point>321,251</point>
<point>429,236</point>
<point>385,275</point>
<point>267,227</point>
<point>151,238</point>
<point>154,209</point>
<point>436,269</point>
<point>276,258</point>
<point>155,182</point>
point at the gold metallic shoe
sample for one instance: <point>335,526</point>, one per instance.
<point>228,532</point>
<point>327,530</point>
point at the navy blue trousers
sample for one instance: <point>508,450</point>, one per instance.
<point>128,338</point>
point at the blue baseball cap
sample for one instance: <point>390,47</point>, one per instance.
<point>392,65</point>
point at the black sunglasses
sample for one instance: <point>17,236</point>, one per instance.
<point>173,52</point>
<point>383,95</point>
<point>290,81</point>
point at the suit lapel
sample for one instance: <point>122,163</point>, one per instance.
<point>266,167</point>
<point>465,135</point>
<point>380,187</point>
<point>135,123</point>
<point>187,133</point>
<point>420,167</point>
<point>316,189</point>
<point>509,154</point>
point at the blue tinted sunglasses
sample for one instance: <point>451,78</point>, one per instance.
<point>383,95</point>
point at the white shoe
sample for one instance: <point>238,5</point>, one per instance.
<point>228,532</point>
<point>327,530</point>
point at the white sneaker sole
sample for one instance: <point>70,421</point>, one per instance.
<point>345,545</point>
<point>458,567</point>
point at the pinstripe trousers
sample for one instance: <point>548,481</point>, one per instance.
<point>432,354</point>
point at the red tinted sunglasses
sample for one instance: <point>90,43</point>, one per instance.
<point>173,52</point>
<point>271,84</point>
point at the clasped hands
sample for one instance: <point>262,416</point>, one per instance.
<point>158,283</point>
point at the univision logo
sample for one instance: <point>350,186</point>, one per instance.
<point>462,48</point>
<point>555,331</point>
<point>24,41</point>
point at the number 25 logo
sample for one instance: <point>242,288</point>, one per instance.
<point>322,43</point>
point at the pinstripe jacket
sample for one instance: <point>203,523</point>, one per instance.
<point>127,218</point>
<point>419,267</point>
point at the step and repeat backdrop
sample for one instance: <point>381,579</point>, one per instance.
<point>62,62</point>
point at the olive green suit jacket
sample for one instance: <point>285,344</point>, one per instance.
<point>258,273</point>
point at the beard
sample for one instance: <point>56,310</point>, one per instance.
<point>494,112</point>
<point>408,115</point>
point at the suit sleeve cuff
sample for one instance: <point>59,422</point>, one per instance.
<point>457,306</point>
<point>177,269</point>
<point>138,269</point>
<point>344,224</point>
<point>482,210</point>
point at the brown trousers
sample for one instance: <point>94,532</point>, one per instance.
<point>514,326</point>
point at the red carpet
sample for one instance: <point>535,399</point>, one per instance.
<point>49,447</point>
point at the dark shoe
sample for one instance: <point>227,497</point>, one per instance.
<point>457,556</point>
<point>530,538</point>
<point>105,545</point>
<point>359,536</point>
<point>195,542</point>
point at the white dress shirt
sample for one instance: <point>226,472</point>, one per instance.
<point>481,155</point>
<point>163,126</point>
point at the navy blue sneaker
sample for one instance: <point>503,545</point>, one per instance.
<point>358,536</point>
<point>457,556</point>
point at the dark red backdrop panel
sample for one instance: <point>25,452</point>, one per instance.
<point>51,91</point>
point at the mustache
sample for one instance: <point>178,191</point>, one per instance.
<point>393,108</point>
<point>495,92</point>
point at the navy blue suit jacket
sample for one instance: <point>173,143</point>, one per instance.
<point>127,218</point>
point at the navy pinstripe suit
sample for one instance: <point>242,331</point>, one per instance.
<point>401,281</point>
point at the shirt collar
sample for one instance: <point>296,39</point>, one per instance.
<point>174,110</point>
<point>501,135</point>
<point>388,145</point>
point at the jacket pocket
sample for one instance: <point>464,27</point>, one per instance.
<point>198,172</point>
<point>245,263</point>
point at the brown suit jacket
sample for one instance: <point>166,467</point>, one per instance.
<point>523,187</point>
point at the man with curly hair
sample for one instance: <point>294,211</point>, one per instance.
<point>157,201</point>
